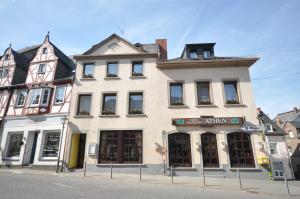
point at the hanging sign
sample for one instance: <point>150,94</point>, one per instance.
<point>207,121</point>
<point>251,128</point>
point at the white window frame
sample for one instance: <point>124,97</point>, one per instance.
<point>275,149</point>
<point>18,97</point>
<point>193,52</point>
<point>5,72</point>
<point>41,93</point>
<point>278,173</point>
<point>269,128</point>
<point>42,97</point>
<point>7,145</point>
<point>206,54</point>
<point>43,144</point>
<point>55,96</point>
<point>42,70</point>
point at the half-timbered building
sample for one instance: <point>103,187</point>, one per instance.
<point>33,132</point>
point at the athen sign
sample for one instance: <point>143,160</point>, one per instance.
<point>207,121</point>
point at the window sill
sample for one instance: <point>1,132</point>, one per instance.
<point>10,159</point>
<point>244,169</point>
<point>119,165</point>
<point>178,106</point>
<point>213,169</point>
<point>112,78</point>
<point>235,105</point>
<point>184,168</point>
<point>108,116</point>
<point>83,116</point>
<point>137,77</point>
<point>136,115</point>
<point>88,79</point>
<point>206,106</point>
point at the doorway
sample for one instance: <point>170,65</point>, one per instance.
<point>30,148</point>
<point>77,152</point>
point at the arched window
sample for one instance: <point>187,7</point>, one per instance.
<point>209,150</point>
<point>240,150</point>
<point>179,150</point>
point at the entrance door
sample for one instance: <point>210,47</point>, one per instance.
<point>81,151</point>
<point>77,152</point>
<point>33,148</point>
<point>30,148</point>
<point>179,150</point>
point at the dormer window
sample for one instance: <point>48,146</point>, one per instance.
<point>45,50</point>
<point>42,69</point>
<point>193,54</point>
<point>6,57</point>
<point>206,54</point>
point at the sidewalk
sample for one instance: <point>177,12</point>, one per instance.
<point>248,185</point>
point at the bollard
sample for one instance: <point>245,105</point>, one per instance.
<point>203,175</point>
<point>287,185</point>
<point>172,174</point>
<point>111,168</point>
<point>84,171</point>
<point>239,176</point>
<point>140,173</point>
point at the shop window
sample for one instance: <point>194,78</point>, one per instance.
<point>59,94</point>
<point>84,104</point>
<point>136,103</point>
<point>51,144</point>
<point>14,144</point>
<point>21,97</point>
<point>240,150</point>
<point>176,94</point>
<point>179,150</point>
<point>203,93</point>
<point>112,69</point>
<point>88,71</point>
<point>273,147</point>
<point>137,69</point>
<point>109,104</point>
<point>209,150</point>
<point>231,93</point>
<point>120,147</point>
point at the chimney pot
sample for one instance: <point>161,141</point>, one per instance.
<point>163,51</point>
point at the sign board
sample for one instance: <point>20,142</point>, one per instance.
<point>251,128</point>
<point>207,121</point>
<point>92,149</point>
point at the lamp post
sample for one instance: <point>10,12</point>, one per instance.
<point>63,121</point>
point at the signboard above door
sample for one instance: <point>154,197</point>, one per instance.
<point>207,121</point>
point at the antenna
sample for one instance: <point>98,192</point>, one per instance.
<point>122,28</point>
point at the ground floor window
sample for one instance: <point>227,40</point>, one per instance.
<point>15,141</point>
<point>120,147</point>
<point>209,150</point>
<point>179,150</point>
<point>240,150</point>
<point>277,169</point>
<point>51,144</point>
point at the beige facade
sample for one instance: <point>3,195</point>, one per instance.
<point>156,120</point>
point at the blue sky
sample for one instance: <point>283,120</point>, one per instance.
<point>269,29</point>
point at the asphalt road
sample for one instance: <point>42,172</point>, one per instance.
<point>19,186</point>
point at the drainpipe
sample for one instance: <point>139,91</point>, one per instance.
<point>63,120</point>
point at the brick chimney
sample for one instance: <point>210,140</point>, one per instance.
<point>162,43</point>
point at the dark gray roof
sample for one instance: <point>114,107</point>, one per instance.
<point>266,120</point>
<point>181,59</point>
<point>289,116</point>
<point>151,48</point>
<point>296,124</point>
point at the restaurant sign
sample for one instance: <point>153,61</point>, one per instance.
<point>207,121</point>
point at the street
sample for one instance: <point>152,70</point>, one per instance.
<point>23,185</point>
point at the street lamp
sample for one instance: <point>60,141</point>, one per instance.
<point>64,120</point>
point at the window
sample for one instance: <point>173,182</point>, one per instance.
<point>137,69</point>
<point>120,147</point>
<point>193,54</point>
<point>209,150</point>
<point>14,144</point>
<point>278,169</point>
<point>35,97</point>
<point>45,97</point>
<point>21,97</point>
<point>84,104</point>
<point>269,128</point>
<point>109,104</point>
<point>231,92</point>
<point>39,96</point>
<point>59,94</point>
<point>6,57</point>
<point>4,72</point>
<point>51,144</point>
<point>88,70</point>
<point>112,69</point>
<point>42,69</point>
<point>179,150</point>
<point>136,103</point>
<point>176,94</point>
<point>206,54</point>
<point>203,93</point>
<point>273,147</point>
<point>240,150</point>
<point>45,50</point>
<point>1,73</point>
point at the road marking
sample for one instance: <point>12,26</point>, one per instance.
<point>17,171</point>
<point>63,185</point>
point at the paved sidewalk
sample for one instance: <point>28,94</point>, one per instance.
<point>276,188</point>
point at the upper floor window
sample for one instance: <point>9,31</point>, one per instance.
<point>59,94</point>
<point>84,104</point>
<point>231,93</point>
<point>45,50</point>
<point>203,93</point>
<point>273,147</point>
<point>6,57</point>
<point>193,54</point>
<point>109,104</point>
<point>21,98</point>
<point>88,70</point>
<point>136,103</point>
<point>4,72</point>
<point>176,94</point>
<point>137,69</point>
<point>206,54</point>
<point>112,69</point>
<point>42,69</point>
<point>39,96</point>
